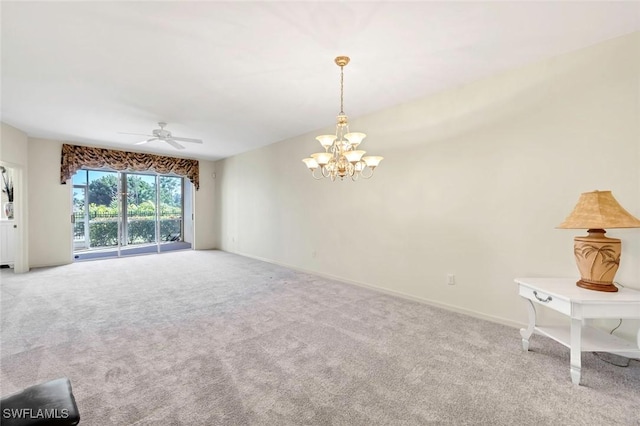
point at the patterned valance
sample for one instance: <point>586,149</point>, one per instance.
<point>75,157</point>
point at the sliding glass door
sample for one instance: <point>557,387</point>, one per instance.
<point>139,210</point>
<point>172,210</point>
<point>96,213</point>
<point>119,214</point>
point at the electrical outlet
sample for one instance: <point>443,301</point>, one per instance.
<point>451,279</point>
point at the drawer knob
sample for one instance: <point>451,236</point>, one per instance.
<point>547,299</point>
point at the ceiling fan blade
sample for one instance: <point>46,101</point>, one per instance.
<point>143,142</point>
<point>175,138</point>
<point>174,144</point>
<point>137,134</point>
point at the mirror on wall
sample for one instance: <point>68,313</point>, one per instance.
<point>6,182</point>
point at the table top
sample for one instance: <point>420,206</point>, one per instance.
<point>566,288</point>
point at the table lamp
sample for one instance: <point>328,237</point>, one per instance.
<point>597,256</point>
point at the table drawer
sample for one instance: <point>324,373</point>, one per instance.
<point>542,298</point>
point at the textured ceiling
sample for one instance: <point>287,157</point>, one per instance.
<point>240,75</point>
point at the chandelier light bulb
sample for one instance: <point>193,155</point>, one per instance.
<point>311,163</point>
<point>355,138</point>
<point>322,158</point>
<point>372,161</point>
<point>326,140</point>
<point>354,156</point>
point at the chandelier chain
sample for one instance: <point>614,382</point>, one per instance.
<point>342,90</point>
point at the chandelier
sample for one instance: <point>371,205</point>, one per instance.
<point>341,156</point>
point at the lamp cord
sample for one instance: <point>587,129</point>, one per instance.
<point>601,358</point>
<point>616,327</point>
<point>597,354</point>
<point>628,360</point>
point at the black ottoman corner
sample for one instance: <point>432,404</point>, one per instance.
<point>50,403</point>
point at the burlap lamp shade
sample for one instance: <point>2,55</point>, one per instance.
<point>597,256</point>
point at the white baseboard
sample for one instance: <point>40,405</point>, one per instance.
<point>453,308</point>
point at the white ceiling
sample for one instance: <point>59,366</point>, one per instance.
<point>240,75</point>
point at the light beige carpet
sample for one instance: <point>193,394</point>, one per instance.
<point>211,338</point>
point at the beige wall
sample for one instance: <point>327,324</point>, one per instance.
<point>204,237</point>
<point>13,145</point>
<point>474,182</point>
<point>49,206</point>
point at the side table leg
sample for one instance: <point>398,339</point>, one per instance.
<point>576,350</point>
<point>527,332</point>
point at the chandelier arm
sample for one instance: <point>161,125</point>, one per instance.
<point>366,176</point>
<point>313,174</point>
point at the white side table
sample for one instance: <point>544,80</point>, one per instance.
<point>562,295</point>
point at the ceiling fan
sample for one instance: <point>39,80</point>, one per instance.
<point>163,135</point>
